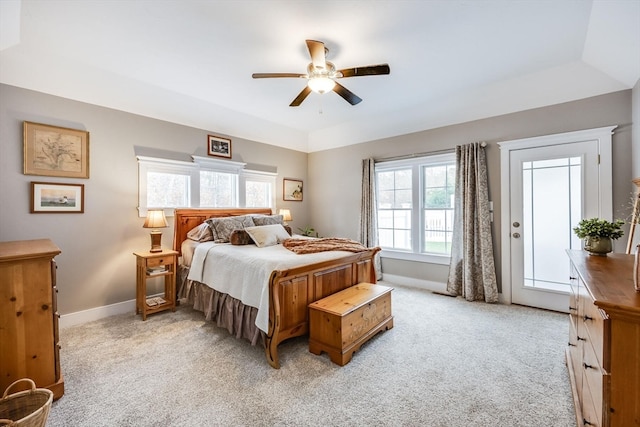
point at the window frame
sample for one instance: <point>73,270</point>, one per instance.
<point>417,205</point>
<point>192,169</point>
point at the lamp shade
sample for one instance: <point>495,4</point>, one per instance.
<point>286,214</point>
<point>155,219</point>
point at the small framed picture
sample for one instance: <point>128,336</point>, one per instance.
<point>292,189</point>
<point>218,146</point>
<point>55,151</point>
<point>49,197</point>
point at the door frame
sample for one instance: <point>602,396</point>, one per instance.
<point>605,190</point>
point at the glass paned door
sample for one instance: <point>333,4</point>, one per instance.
<point>552,206</point>
<point>552,188</point>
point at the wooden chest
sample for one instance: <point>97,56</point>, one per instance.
<point>340,323</point>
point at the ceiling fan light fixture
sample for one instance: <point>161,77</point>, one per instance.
<point>321,84</point>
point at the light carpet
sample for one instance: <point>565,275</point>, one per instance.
<point>446,362</point>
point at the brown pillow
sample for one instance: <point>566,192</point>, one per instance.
<point>241,237</point>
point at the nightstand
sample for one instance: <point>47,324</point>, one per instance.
<point>151,265</point>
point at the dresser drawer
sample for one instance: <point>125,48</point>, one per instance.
<point>594,323</point>
<point>158,261</point>
<point>593,378</point>
<point>589,415</point>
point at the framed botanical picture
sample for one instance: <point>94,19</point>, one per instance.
<point>55,197</point>
<point>218,146</point>
<point>292,189</point>
<point>55,151</point>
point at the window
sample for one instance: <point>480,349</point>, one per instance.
<point>415,209</point>
<point>259,189</point>
<point>204,182</point>
<point>218,189</point>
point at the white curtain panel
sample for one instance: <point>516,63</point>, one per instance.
<point>472,272</point>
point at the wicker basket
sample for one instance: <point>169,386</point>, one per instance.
<point>29,408</point>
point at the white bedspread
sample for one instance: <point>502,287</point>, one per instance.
<point>243,271</point>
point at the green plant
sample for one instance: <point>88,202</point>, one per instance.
<point>595,227</point>
<point>307,231</point>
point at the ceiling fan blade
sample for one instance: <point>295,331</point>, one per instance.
<point>301,97</point>
<point>371,70</point>
<point>316,50</point>
<point>348,96</point>
<point>273,75</point>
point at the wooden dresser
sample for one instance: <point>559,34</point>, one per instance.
<point>604,340</point>
<point>28,315</point>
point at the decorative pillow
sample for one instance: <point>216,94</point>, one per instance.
<point>241,237</point>
<point>267,219</point>
<point>267,235</point>
<point>201,233</point>
<point>223,227</point>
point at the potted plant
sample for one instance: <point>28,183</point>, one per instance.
<point>598,234</point>
<point>307,231</point>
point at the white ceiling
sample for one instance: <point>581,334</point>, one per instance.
<point>190,62</point>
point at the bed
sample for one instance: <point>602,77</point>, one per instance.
<point>290,290</point>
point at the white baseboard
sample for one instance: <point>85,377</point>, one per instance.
<point>415,283</point>
<point>428,285</point>
<point>84,316</point>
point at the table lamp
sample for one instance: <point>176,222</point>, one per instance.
<point>155,219</point>
<point>286,215</point>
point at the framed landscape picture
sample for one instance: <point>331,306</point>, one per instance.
<point>55,197</point>
<point>55,151</point>
<point>218,146</point>
<point>292,189</point>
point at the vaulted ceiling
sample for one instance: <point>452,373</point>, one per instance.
<point>190,62</point>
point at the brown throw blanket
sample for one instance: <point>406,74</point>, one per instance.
<point>308,246</point>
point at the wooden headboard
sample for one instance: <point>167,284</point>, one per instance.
<point>187,219</point>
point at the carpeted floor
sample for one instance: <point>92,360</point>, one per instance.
<point>446,362</point>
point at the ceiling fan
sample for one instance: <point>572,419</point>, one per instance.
<point>321,75</point>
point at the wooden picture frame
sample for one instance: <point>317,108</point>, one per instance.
<point>292,190</point>
<point>218,146</point>
<point>55,151</point>
<point>54,197</point>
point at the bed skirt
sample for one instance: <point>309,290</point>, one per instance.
<point>227,312</point>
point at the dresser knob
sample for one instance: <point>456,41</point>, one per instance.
<point>45,307</point>
<point>587,423</point>
<point>572,308</point>
<point>571,345</point>
<point>581,339</point>
<point>587,318</point>
<point>587,366</point>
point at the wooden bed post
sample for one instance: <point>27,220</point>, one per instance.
<point>271,341</point>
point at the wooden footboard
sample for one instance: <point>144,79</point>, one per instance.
<point>291,292</point>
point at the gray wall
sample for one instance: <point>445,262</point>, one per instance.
<point>636,129</point>
<point>334,175</point>
<point>96,267</point>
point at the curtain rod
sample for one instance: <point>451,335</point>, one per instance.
<point>426,153</point>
